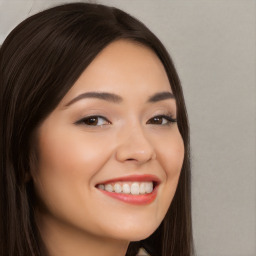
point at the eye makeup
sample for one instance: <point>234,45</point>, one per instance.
<point>99,120</point>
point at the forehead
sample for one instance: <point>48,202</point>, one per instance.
<point>125,68</point>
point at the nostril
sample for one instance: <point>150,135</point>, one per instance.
<point>133,154</point>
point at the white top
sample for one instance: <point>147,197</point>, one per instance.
<point>142,252</point>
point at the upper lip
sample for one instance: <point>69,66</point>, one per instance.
<point>136,177</point>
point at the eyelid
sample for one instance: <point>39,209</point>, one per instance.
<point>81,121</point>
<point>169,117</point>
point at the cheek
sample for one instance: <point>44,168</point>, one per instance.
<point>170,152</point>
<point>171,156</point>
<point>72,154</point>
<point>68,161</point>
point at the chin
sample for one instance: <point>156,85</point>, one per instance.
<point>131,232</point>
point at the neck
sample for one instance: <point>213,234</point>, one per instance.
<point>64,240</point>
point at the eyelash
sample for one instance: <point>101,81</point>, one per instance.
<point>169,120</point>
<point>83,120</point>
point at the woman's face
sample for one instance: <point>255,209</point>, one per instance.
<point>114,130</point>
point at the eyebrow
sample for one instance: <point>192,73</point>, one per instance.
<point>161,96</point>
<point>111,97</point>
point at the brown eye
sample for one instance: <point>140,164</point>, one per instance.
<point>94,121</point>
<point>157,120</point>
<point>91,121</point>
<point>161,120</point>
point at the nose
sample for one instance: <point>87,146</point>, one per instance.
<point>134,146</point>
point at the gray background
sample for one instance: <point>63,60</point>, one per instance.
<point>213,45</point>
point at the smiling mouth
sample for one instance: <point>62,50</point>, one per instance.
<point>133,189</point>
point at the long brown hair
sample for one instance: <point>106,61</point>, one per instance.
<point>40,60</point>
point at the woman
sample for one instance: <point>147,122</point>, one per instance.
<point>94,138</point>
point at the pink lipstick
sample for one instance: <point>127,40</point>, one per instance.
<point>133,189</point>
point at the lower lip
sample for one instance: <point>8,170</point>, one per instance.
<point>133,199</point>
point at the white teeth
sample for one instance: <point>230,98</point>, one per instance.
<point>142,188</point>
<point>126,188</point>
<point>109,188</point>
<point>101,186</point>
<point>148,187</point>
<point>117,188</point>
<point>134,188</point>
